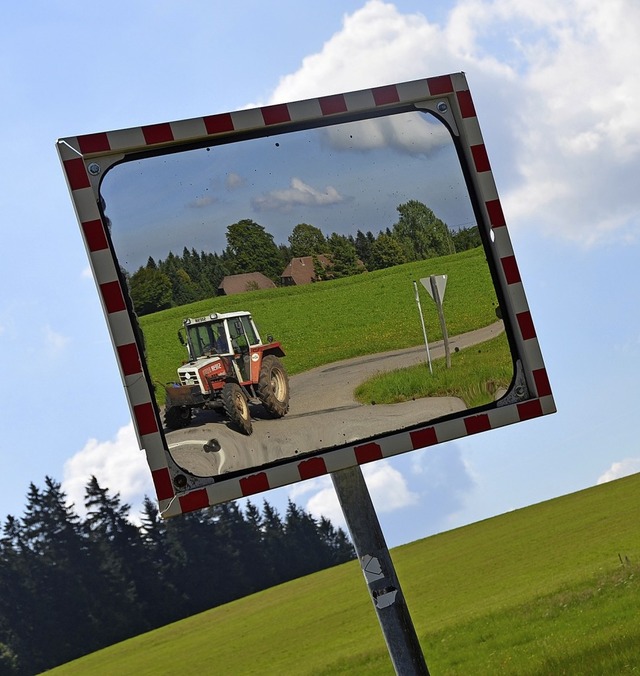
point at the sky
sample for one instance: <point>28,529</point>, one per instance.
<point>556,91</point>
<point>361,171</point>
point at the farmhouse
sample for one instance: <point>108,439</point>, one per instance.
<point>302,270</point>
<point>248,281</point>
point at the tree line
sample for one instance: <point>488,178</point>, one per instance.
<point>70,585</point>
<point>418,234</point>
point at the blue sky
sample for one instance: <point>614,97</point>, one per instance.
<point>556,93</point>
<point>359,173</point>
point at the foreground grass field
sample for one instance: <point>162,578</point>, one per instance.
<point>329,321</point>
<point>550,589</point>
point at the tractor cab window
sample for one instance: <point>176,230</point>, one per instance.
<point>239,340</point>
<point>198,339</point>
<point>207,339</point>
<point>249,331</point>
<point>221,346</point>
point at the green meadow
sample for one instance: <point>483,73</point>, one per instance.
<point>325,322</point>
<point>553,588</point>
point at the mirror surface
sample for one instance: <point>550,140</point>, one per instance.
<point>301,255</point>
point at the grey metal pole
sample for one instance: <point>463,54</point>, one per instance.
<point>380,575</point>
<point>424,329</point>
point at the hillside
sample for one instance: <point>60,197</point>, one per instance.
<point>552,588</point>
<point>328,321</point>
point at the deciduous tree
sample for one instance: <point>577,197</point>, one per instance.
<point>421,232</point>
<point>386,252</point>
<point>250,248</point>
<point>307,240</point>
<point>150,290</point>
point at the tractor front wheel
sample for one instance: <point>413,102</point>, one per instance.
<point>273,386</point>
<point>177,417</point>
<point>237,407</point>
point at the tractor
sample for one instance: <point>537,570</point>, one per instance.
<point>228,367</point>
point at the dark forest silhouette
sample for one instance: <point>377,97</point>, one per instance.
<point>70,585</point>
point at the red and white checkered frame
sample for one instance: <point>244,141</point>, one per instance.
<point>83,157</point>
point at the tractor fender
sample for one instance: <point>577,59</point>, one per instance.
<point>272,348</point>
<point>259,353</point>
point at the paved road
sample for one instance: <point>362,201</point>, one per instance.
<point>323,414</point>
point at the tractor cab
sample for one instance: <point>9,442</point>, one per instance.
<point>218,333</point>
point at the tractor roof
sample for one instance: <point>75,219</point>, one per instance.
<point>216,316</point>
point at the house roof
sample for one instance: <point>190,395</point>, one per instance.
<point>247,281</point>
<point>301,270</point>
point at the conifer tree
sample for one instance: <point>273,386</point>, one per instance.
<point>62,578</point>
<point>124,573</point>
<point>342,253</point>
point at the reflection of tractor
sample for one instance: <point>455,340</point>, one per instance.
<point>228,366</point>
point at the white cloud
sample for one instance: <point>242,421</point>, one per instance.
<point>446,474</point>
<point>201,202</point>
<point>580,133</point>
<point>55,342</point>
<point>619,469</point>
<point>554,87</point>
<point>405,135</point>
<point>388,489</point>
<point>118,464</point>
<point>376,45</point>
<point>325,503</point>
<point>299,193</point>
<point>234,181</point>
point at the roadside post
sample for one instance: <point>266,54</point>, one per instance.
<point>435,286</point>
<point>424,329</point>
<point>379,573</point>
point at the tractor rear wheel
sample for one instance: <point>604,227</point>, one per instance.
<point>237,407</point>
<point>177,417</point>
<point>273,386</point>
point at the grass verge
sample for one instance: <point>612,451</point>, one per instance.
<point>476,374</point>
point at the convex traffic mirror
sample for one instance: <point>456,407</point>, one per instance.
<point>285,246</point>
